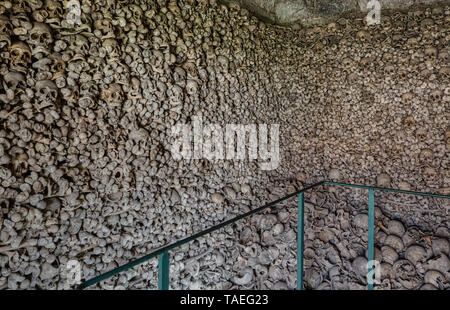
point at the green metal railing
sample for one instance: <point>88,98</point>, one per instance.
<point>163,253</point>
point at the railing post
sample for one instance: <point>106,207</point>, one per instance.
<point>300,239</point>
<point>371,236</point>
<point>163,271</point>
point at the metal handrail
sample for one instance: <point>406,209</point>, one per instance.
<point>163,264</point>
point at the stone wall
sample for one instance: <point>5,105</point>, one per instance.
<point>85,164</point>
<point>313,12</point>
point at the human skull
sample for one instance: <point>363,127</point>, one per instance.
<point>429,174</point>
<point>13,84</point>
<point>73,16</point>
<point>436,95</point>
<point>22,25</point>
<point>81,44</point>
<point>404,269</point>
<point>363,36</point>
<point>21,6</point>
<point>419,15</point>
<point>35,4</point>
<point>136,13</point>
<point>112,48</point>
<point>113,95</point>
<point>383,180</point>
<point>191,69</point>
<point>435,278</point>
<point>5,26</point>
<point>20,56</point>
<point>157,58</point>
<point>40,15</point>
<point>54,8</point>
<point>14,80</point>
<point>104,25</point>
<point>40,35</point>
<point>334,174</point>
<point>431,52</point>
<point>415,254</point>
<point>89,89</point>
<point>179,75</point>
<point>388,254</point>
<point>413,26</point>
<point>444,56</point>
<point>5,41</point>
<point>134,88</point>
<point>58,64</point>
<point>46,91</point>
<point>175,94</point>
<point>409,123</point>
<point>191,87</point>
<point>437,13</point>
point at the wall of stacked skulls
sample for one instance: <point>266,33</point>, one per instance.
<point>86,171</point>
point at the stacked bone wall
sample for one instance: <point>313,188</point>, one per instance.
<point>85,136</point>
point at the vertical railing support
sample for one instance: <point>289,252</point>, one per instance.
<point>300,239</point>
<point>163,271</point>
<point>371,226</point>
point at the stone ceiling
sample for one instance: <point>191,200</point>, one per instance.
<point>309,12</point>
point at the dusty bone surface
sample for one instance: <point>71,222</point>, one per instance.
<point>86,111</point>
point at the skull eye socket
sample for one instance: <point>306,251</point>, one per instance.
<point>15,53</point>
<point>23,6</point>
<point>34,36</point>
<point>8,28</point>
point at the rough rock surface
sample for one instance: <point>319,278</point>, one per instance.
<point>312,12</point>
